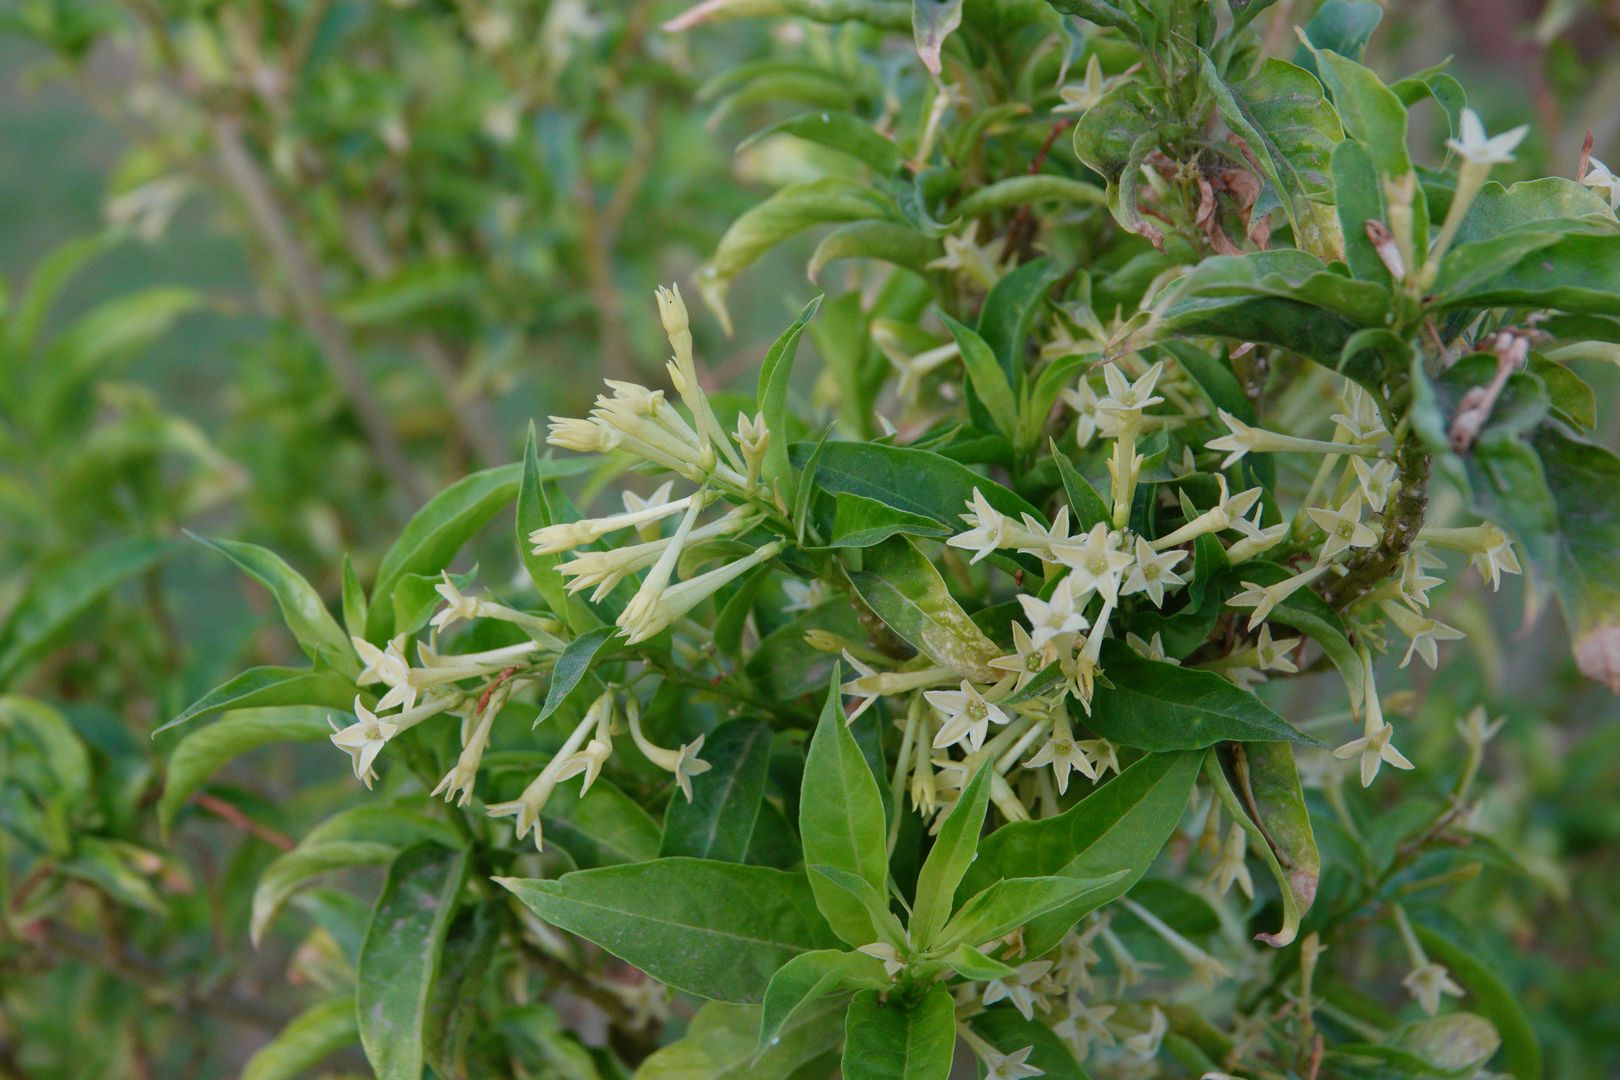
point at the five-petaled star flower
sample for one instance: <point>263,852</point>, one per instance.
<point>1375,748</point>
<point>1011,1066</point>
<point>1478,148</point>
<point>1095,562</point>
<point>1049,619</point>
<point>363,740</point>
<point>1602,181</point>
<point>1344,527</point>
<point>988,529</point>
<point>967,716</point>
<point>1427,982</point>
<point>1152,571</point>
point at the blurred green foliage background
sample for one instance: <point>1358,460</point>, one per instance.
<point>488,194</point>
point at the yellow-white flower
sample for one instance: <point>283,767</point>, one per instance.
<point>1427,982</point>
<point>1264,598</point>
<point>1017,988</point>
<point>1062,753</point>
<point>1478,148</point>
<point>555,539</point>
<point>1153,571</point>
<point>1082,1026</point>
<point>684,763</point>
<point>1095,562</point>
<point>1126,398</point>
<point>966,714</point>
<point>1603,182</point>
<point>1344,527</point>
<point>1083,400</point>
<point>1374,748</point>
<point>1081,96</point>
<point>988,528</point>
<point>893,962</point>
<point>1146,1044</point>
<point>1052,618</point>
<point>363,740</point>
<point>1426,633</point>
<point>1233,866</point>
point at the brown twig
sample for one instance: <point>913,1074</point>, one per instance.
<point>1512,348</point>
<point>233,816</point>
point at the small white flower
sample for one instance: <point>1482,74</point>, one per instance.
<point>1374,748</point>
<point>1037,539</point>
<point>1151,649</point>
<point>684,763</point>
<point>1264,598</point>
<point>1477,148</point>
<point>1083,400</point>
<point>1153,571</point>
<point>1273,655</point>
<point>1427,982</point>
<point>1084,1026</point>
<point>1233,866</point>
<point>1126,399</point>
<point>1081,96</point>
<point>1027,658</point>
<point>1425,633</point>
<point>989,529</point>
<point>981,262</point>
<point>1376,478</point>
<point>1054,618</point>
<point>1358,417</point>
<point>1011,1066</point>
<point>1063,754</point>
<point>966,714</point>
<point>363,740</point>
<point>1603,182</point>
<point>1017,988</point>
<point>1476,729</point>
<point>459,607</point>
<point>1146,1044</point>
<point>1095,562</point>
<point>1343,526</point>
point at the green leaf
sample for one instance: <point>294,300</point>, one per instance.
<point>1344,26</point>
<point>1018,901</point>
<point>453,1012</point>
<point>906,478</point>
<point>1263,794</point>
<point>1577,272</point>
<point>1107,133</point>
<point>367,835</point>
<point>990,382</point>
<point>852,887</point>
<point>718,930</point>
<point>774,376</point>
<point>572,665</point>
<point>435,533</point>
<point>860,522</point>
<point>54,596</point>
<point>533,514</point>
<point>891,1041</point>
<point>953,852</point>
<point>264,686</point>
<point>841,131</point>
<point>1010,307</point>
<point>1359,196</point>
<point>841,822</point>
<point>1122,824</point>
<point>1159,706</point>
<point>790,211</point>
<point>904,589</point>
<point>1584,480</point>
<point>301,606</point>
<point>198,754</point>
<point>1521,1051</point>
<point>885,241</point>
<point>1088,506</point>
<point>975,966</point>
<point>401,956</point>
<point>809,977</point>
<point>1017,191</point>
<point>1281,115</point>
<point>720,1042</point>
<point>718,822</point>
<point>932,21</point>
<point>603,827</point>
<point>307,1040</point>
<point>354,601</point>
